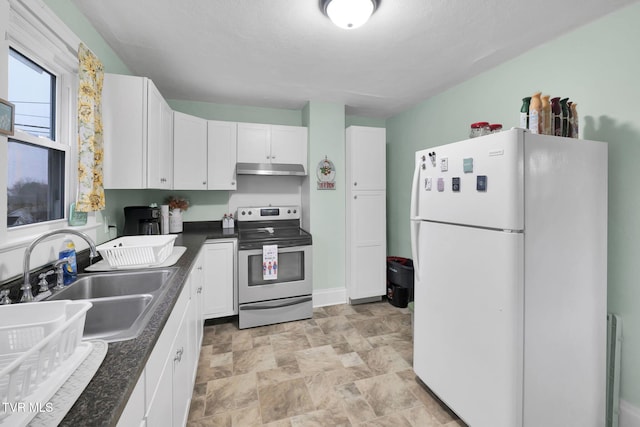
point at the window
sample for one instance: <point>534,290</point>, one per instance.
<point>32,91</point>
<point>36,167</point>
<point>35,185</point>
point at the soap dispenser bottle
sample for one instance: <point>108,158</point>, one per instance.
<point>70,269</point>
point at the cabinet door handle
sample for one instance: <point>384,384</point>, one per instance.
<point>233,183</point>
<point>199,290</point>
<point>355,197</point>
<point>178,357</point>
<point>355,184</point>
<point>204,182</point>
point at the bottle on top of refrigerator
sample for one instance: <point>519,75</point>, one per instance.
<point>546,115</point>
<point>535,109</point>
<point>569,125</point>
<point>70,270</point>
<point>524,113</point>
<point>556,117</point>
<point>495,127</point>
<point>565,116</point>
<point>479,129</point>
<point>574,120</point>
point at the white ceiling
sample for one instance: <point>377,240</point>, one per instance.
<point>282,53</point>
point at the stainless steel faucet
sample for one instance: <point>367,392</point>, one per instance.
<point>27,252</point>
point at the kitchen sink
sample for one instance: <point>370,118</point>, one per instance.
<point>123,302</point>
<point>115,284</point>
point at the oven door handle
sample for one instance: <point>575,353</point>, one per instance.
<point>281,249</point>
<point>284,304</point>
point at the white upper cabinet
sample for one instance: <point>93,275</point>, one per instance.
<point>254,143</point>
<point>221,138</point>
<point>138,135</point>
<point>259,143</point>
<point>204,153</point>
<point>366,156</point>
<point>160,140</point>
<point>189,152</point>
<point>289,145</point>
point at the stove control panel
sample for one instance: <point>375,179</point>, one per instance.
<point>268,213</point>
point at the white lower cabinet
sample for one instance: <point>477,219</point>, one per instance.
<point>163,393</point>
<point>366,245</point>
<point>133,414</point>
<point>182,371</point>
<point>220,264</point>
<point>197,291</point>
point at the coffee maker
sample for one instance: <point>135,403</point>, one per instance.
<point>141,220</point>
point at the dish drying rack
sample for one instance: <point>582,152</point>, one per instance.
<point>39,349</point>
<point>137,250</point>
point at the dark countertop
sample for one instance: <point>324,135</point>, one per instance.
<point>105,397</point>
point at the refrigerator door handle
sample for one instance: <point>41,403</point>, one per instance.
<point>415,188</point>
<point>415,220</point>
<point>415,231</point>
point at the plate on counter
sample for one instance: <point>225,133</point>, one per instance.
<point>103,265</point>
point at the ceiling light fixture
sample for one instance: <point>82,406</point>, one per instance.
<point>349,14</point>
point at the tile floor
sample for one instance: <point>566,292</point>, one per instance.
<point>348,366</point>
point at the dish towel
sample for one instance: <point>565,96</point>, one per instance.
<point>270,262</point>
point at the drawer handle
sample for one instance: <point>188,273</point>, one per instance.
<point>286,304</point>
<point>178,357</point>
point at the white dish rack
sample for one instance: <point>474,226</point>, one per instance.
<point>137,250</point>
<point>38,344</point>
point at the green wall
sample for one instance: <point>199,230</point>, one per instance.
<point>327,208</point>
<point>597,66</point>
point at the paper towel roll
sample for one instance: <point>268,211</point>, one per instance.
<point>164,214</point>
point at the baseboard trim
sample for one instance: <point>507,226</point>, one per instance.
<point>629,415</point>
<point>331,296</point>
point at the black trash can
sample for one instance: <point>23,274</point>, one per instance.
<point>399,281</point>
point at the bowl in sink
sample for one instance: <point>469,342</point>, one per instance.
<point>123,302</point>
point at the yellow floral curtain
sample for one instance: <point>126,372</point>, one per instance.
<point>90,141</point>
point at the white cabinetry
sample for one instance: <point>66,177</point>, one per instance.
<point>204,153</point>
<point>220,264</point>
<point>189,152</point>
<point>137,134</point>
<point>163,393</point>
<point>259,143</point>
<point>197,291</point>
<point>182,386</point>
<point>366,212</point>
<point>222,142</point>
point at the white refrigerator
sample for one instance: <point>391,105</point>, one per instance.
<point>509,242</point>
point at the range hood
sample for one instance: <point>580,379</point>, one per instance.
<point>270,169</point>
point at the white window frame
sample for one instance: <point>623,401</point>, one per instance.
<point>49,48</point>
<point>34,31</point>
<point>62,142</point>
